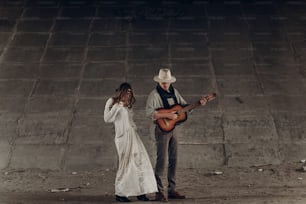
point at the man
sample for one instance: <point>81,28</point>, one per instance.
<point>165,96</point>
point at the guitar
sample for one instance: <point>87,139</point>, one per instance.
<point>168,125</point>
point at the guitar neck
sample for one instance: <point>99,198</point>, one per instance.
<point>189,107</point>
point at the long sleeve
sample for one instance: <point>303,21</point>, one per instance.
<point>110,113</point>
<point>153,102</point>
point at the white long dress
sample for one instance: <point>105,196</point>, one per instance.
<point>135,174</point>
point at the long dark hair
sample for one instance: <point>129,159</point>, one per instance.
<point>121,91</point>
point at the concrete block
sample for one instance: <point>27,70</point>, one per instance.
<point>188,10</point>
<point>272,49</point>
<point>23,54</point>
<point>109,25</point>
<point>276,85</point>
<point>19,71</point>
<point>42,3</point>
<point>140,105</point>
<point>68,40</point>
<point>294,27</point>
<point>193,68</point>
<point>54,105</point>
<point>237,86</point>
<point>259,9</point>
<point>300,50</point>
<point>12,104</point>
<point>8,131</point>
<point>72,25</point>
<point>285,103</point>
<point>199,51</point>
<point>292,151</point>
<point>249,128</point>
<point>252,154</point>
<point>37,156</point>
<point>60,70</point>
<point>16,88</point>
<point>147,52</point>
<point>143,127</point>
<point>87,106</point>
<point>231,52</point>
<point>259,34</point>
<point>106,11</point>
<point>41,12</point>
<point>64,54</point>
<point>188,24</point>
<point>104,88</point>
<point>79,13</point>
<point>201,130</point>
<point>9,117</point>
<point>43,129</point>
<point>142,86</point>
<point>91,130</point>
<point>278,66</point>
<point>293,10</point>
<point>229,36</point>
<point>111,39</point>
<point>5,149</point>
<point>139,25</point>
<point>229,33</point>
<point>234,67</point>
<point>244,105</point>
<point>99,54</point>
<point>104,70</point>
<point>88,157</point>
<point>147,38</point>
<point>3,39</point>
<point>146,68</point>
<point>56,87</point>
<point>10,12</point>
<point>7,25</point>
<point>200,156</point>
<point>30,40</point>
<point>196,86</point>
<point>290,127</point>
<point>217,10</point>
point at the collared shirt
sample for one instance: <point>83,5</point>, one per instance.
<point>154,102</point>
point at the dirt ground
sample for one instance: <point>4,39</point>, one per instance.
<point>284,184</point>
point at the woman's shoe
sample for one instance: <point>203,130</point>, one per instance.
<point>143,198</point>
<point>122,199</point>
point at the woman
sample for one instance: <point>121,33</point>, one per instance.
<point>135,176</point>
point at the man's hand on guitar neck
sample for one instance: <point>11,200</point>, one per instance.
<point>203,101</point>
<point>207,98</point>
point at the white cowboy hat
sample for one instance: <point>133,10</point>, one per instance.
<point>164,76</point>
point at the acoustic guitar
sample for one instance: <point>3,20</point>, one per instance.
<point>168,125</point>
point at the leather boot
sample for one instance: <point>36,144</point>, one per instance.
<point>143,198</point>
<point>159,196</point>
<point>175,195</point>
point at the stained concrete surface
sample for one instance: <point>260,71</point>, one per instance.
<point>61,59</point>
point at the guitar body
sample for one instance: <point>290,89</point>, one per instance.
<point>168,125</point>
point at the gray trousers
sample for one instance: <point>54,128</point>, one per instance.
<point>166,145</point>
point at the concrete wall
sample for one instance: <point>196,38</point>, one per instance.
<point>60,61</point>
